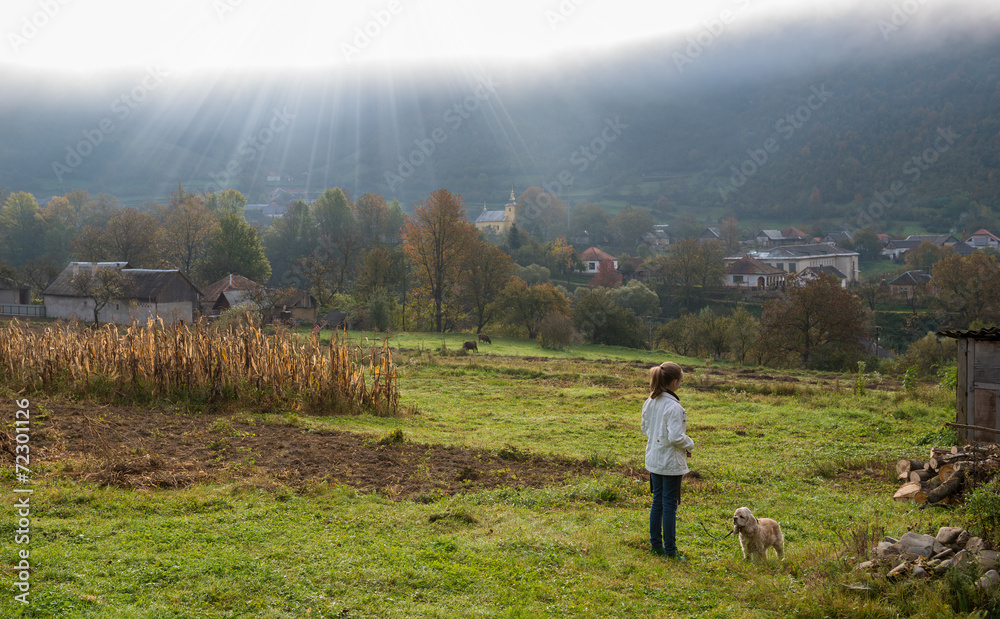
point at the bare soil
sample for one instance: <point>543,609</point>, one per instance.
<point>136,447</point>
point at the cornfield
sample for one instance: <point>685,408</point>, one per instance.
<point>201,363</point>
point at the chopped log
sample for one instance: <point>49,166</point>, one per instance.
<point>938,451</point>
<point>906,492</point>
<point>925,488</point>
<point>947,488</point>
<point>938,461</point>
<point>947,471</point>
<point>903,467</point>
<point>969,449</point>
<point>921,475</point>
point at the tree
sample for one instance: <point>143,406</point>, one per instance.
<point>868,245</point>
<point>602,321</point>
<point>103,285</point>
<point>235,248</point>
<point>527,306</point>
<point>20,229</point>
<point>731,235</point>
<point>969,286</point>
<point>743,333</point>
<point>287,241</point>
<point>694,266</point>
<point>715,332</point>
<point>629,226</point>
<point>924,256</point>
<point>563,258</point>
<point>187,229</point>
<point>378,221</point>
<point>339,242</point>
<point>381,267</point>
<point>589,219</point>
<point>487,271</point>
<point>58,220</point>
<point>132,236</point>
<point>817,320</point>
<point>872,290</point>
<point>435,242</point>
<point>638,298</point>
<point>542,214</point>
<point>607,276</point>
<point>221,202</point>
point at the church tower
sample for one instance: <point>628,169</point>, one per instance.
<point>510,209</point>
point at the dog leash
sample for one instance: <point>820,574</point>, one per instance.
<point>709,533</point>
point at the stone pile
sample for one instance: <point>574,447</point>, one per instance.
<point>923,556</point>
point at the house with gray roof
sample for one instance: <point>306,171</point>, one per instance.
<point>152,293</point>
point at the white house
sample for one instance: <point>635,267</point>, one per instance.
<point>748,272</point>
<point>796,258</point>
<point>592,258</point>
<point>983,238</point>
<point>155,293</point>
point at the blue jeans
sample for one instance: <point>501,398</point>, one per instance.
<point>663,513</point>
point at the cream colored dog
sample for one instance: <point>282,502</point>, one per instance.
<point>757,535</point>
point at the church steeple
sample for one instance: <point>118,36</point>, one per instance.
<point>511,193</point>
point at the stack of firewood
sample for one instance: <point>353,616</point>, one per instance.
<point>943,478</point>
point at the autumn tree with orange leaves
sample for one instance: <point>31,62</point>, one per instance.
<point>435,241</point>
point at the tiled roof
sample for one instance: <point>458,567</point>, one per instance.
<point>595,254</point>
<point>911,278</point>
<point>748,265</point>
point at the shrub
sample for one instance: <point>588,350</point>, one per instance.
<point>928,354</point>
<point>557,332</point>
<point>983,509</point>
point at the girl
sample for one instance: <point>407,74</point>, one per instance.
<point>664,422</point>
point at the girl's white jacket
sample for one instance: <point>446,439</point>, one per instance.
<point>664,422</point>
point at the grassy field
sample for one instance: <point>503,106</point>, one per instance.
<point>803,449</point>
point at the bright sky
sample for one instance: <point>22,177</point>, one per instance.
<point>183,35</point>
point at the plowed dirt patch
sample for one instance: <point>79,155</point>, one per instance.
<point>136,447</point>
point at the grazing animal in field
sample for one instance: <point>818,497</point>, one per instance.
<point>471,346</point>
<point>757,535</point>
<point>485,338</point>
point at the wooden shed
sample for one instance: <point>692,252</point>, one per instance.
<point>978,386</point>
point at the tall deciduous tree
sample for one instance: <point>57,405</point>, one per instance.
<point>589,219</point>
<point>970,287</point>
<point>188,227</point>
<point>925,255</point>
<point>629,226</point>
<point>288,240</point>
<point>527,306</point>
<point>487,271</point>
<point>235,248</point>
<point>435,241</point>
<point>562,258</point>
<point>20,229</point>
<point>132,236</point>
<point>817,318</point>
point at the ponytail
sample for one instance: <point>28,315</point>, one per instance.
<point>661,376</point>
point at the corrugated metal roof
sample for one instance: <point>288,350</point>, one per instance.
<point>492,217</point>
<point>992,334</point>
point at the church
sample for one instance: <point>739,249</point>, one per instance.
<point>498,222</point>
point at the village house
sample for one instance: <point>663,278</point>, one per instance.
<point>592,258</point>
<point>214,299</point>
<point>13,293</point>
<point>155,293</point>
<point>982,239</point>
<point>796,258</point>
<point>907,284</point>
<point>498,222</point>
<point>775,238</point>
<point>750,273</point>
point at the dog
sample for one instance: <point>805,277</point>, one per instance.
<point>757,535</point>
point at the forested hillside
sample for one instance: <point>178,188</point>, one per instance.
<point>745,128</point>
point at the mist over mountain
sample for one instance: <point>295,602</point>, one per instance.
<point>805,119</point>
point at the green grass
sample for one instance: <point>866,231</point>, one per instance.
<point>818,460</point>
